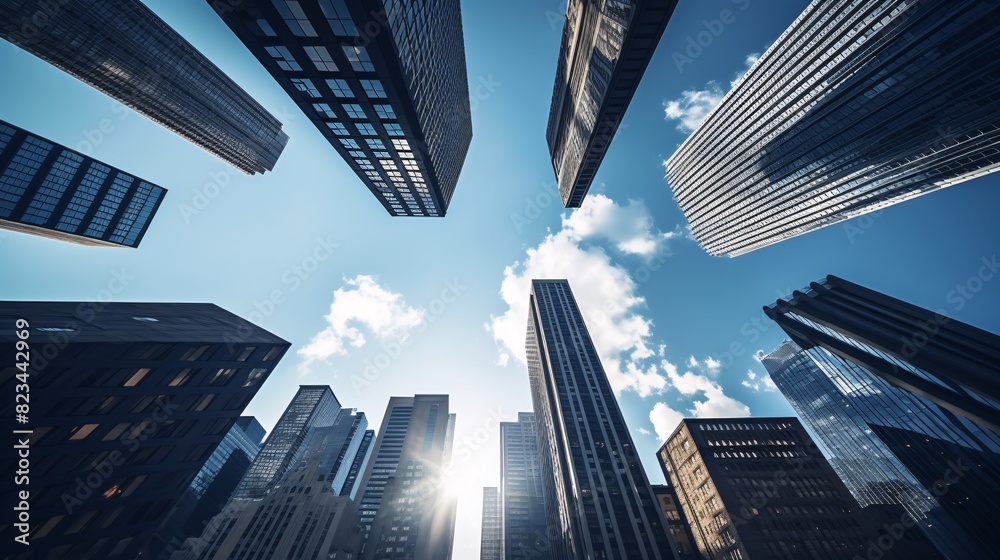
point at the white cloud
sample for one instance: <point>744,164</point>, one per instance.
<point>645,432</point>
<point>712,365</point>
<point>694,106</point>
<point>361,302</point>
<point>715,403</point>
<point>607,294</point>
<point>665,420</point>
<point>692,362</point>
<point>757,384</point>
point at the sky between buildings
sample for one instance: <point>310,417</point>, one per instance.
<point>307,252</point>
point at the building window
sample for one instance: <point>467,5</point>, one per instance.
<point>266,28</point>
<point>306,86</point>
<point>338,128</point>
<point>385,112</point>
<point>340,88</point>
<point>350,143</point>
<point>359,59</point>
<point>393,129</point>
<point>81,432</point>
<point>354,111</point>
<point>375,144</point>
<point>325,110</point>
<point>295,18</point>
<point>364,164</point>
<point>401,144</point>
<point>366,129</point>
<point>284,58</point>
<point>339,18</point>
<point>321,58</point>
<point>373,89</point>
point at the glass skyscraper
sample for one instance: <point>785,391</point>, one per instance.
<point>384,82</point>
<point>49,190</point>
<point>890,446</point>
<point>954,365</point>
<point>121,48</point>
<point>522,504</point>
<point>128,401</point>
<point>855,107</point>
<point>490,547</point>
<point>405,510</point>
<point>598,500</point>
<point>605,48</point>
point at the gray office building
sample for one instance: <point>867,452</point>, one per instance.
<point>124,50</point>
<point>890,446</point>
<point>855,107</point>
<point>383,81</point>
<point>605,48</point>
<point>405,509</point>
<point>49,190</point>
<point>598,499</point>
<point>490,547</point>
<point>524,532</point>
<point>128,401</point>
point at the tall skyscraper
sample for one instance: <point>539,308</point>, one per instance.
<point>857,106</point>
<point>313,406</point>
<point>598,499</point>
<point>384,82</point>
<point>405,509</point>
<point>759,488</point>
<point>52,191</point>
<point>676,521</point>
<point>954,365</point>
<point>121,48</point>
<point>128,400</point>
<point>604,52</point>
<point>490,543</point>
<point>358,466</point>
<point>890,446</point>
<point>522,503</point>
<point>211,488</point>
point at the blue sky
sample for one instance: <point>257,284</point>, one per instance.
<point>283,247</point>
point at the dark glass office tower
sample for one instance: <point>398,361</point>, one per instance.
<point>522,503</point>
<point>123,49</point>
<point>857,106</point>
<point>598,500</point>
<point>313,406</point>
<point>49,190</point>
<point>211,488</point>
<point>759,488</point>
<point>890,446</point>
<point>954,365</point>
<point>127,402</point>
<point>383,81</point>
<point>676,521</point>
<point>405,509</point>
<point>490,543</point>
<point>605,48</point>
<point>359,464</point>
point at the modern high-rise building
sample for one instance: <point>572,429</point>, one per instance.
<point>384,82</point>
<point>128,401</point>
<point>357,470</point>
<point>524,532</point>
<point>313,406</point>
<point>211,488</point>
<point>759,488</point>
<point>302,517</point>
<point>490,547</point>
<point>890,446</point>
<point>121,48</point>
<point>676,521</point>
<point>406,510</point>
<point>855,107</point>
<point>604,52</point>
<point>598,499</point>
<point>952,364</point>
<point>49,190</point>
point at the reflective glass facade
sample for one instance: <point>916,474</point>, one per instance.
<point>384,82</point>
<point>598,499</point>
<point>121,48</point>
<point>891,446</point>
<point>857,106</point>
<point>489,545</point>
<point>522,504</point>
<point>132,398</point>
<point>759,488</point>
<point>314,406</point>
<point>606,46</point>
<point>52,191</point>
